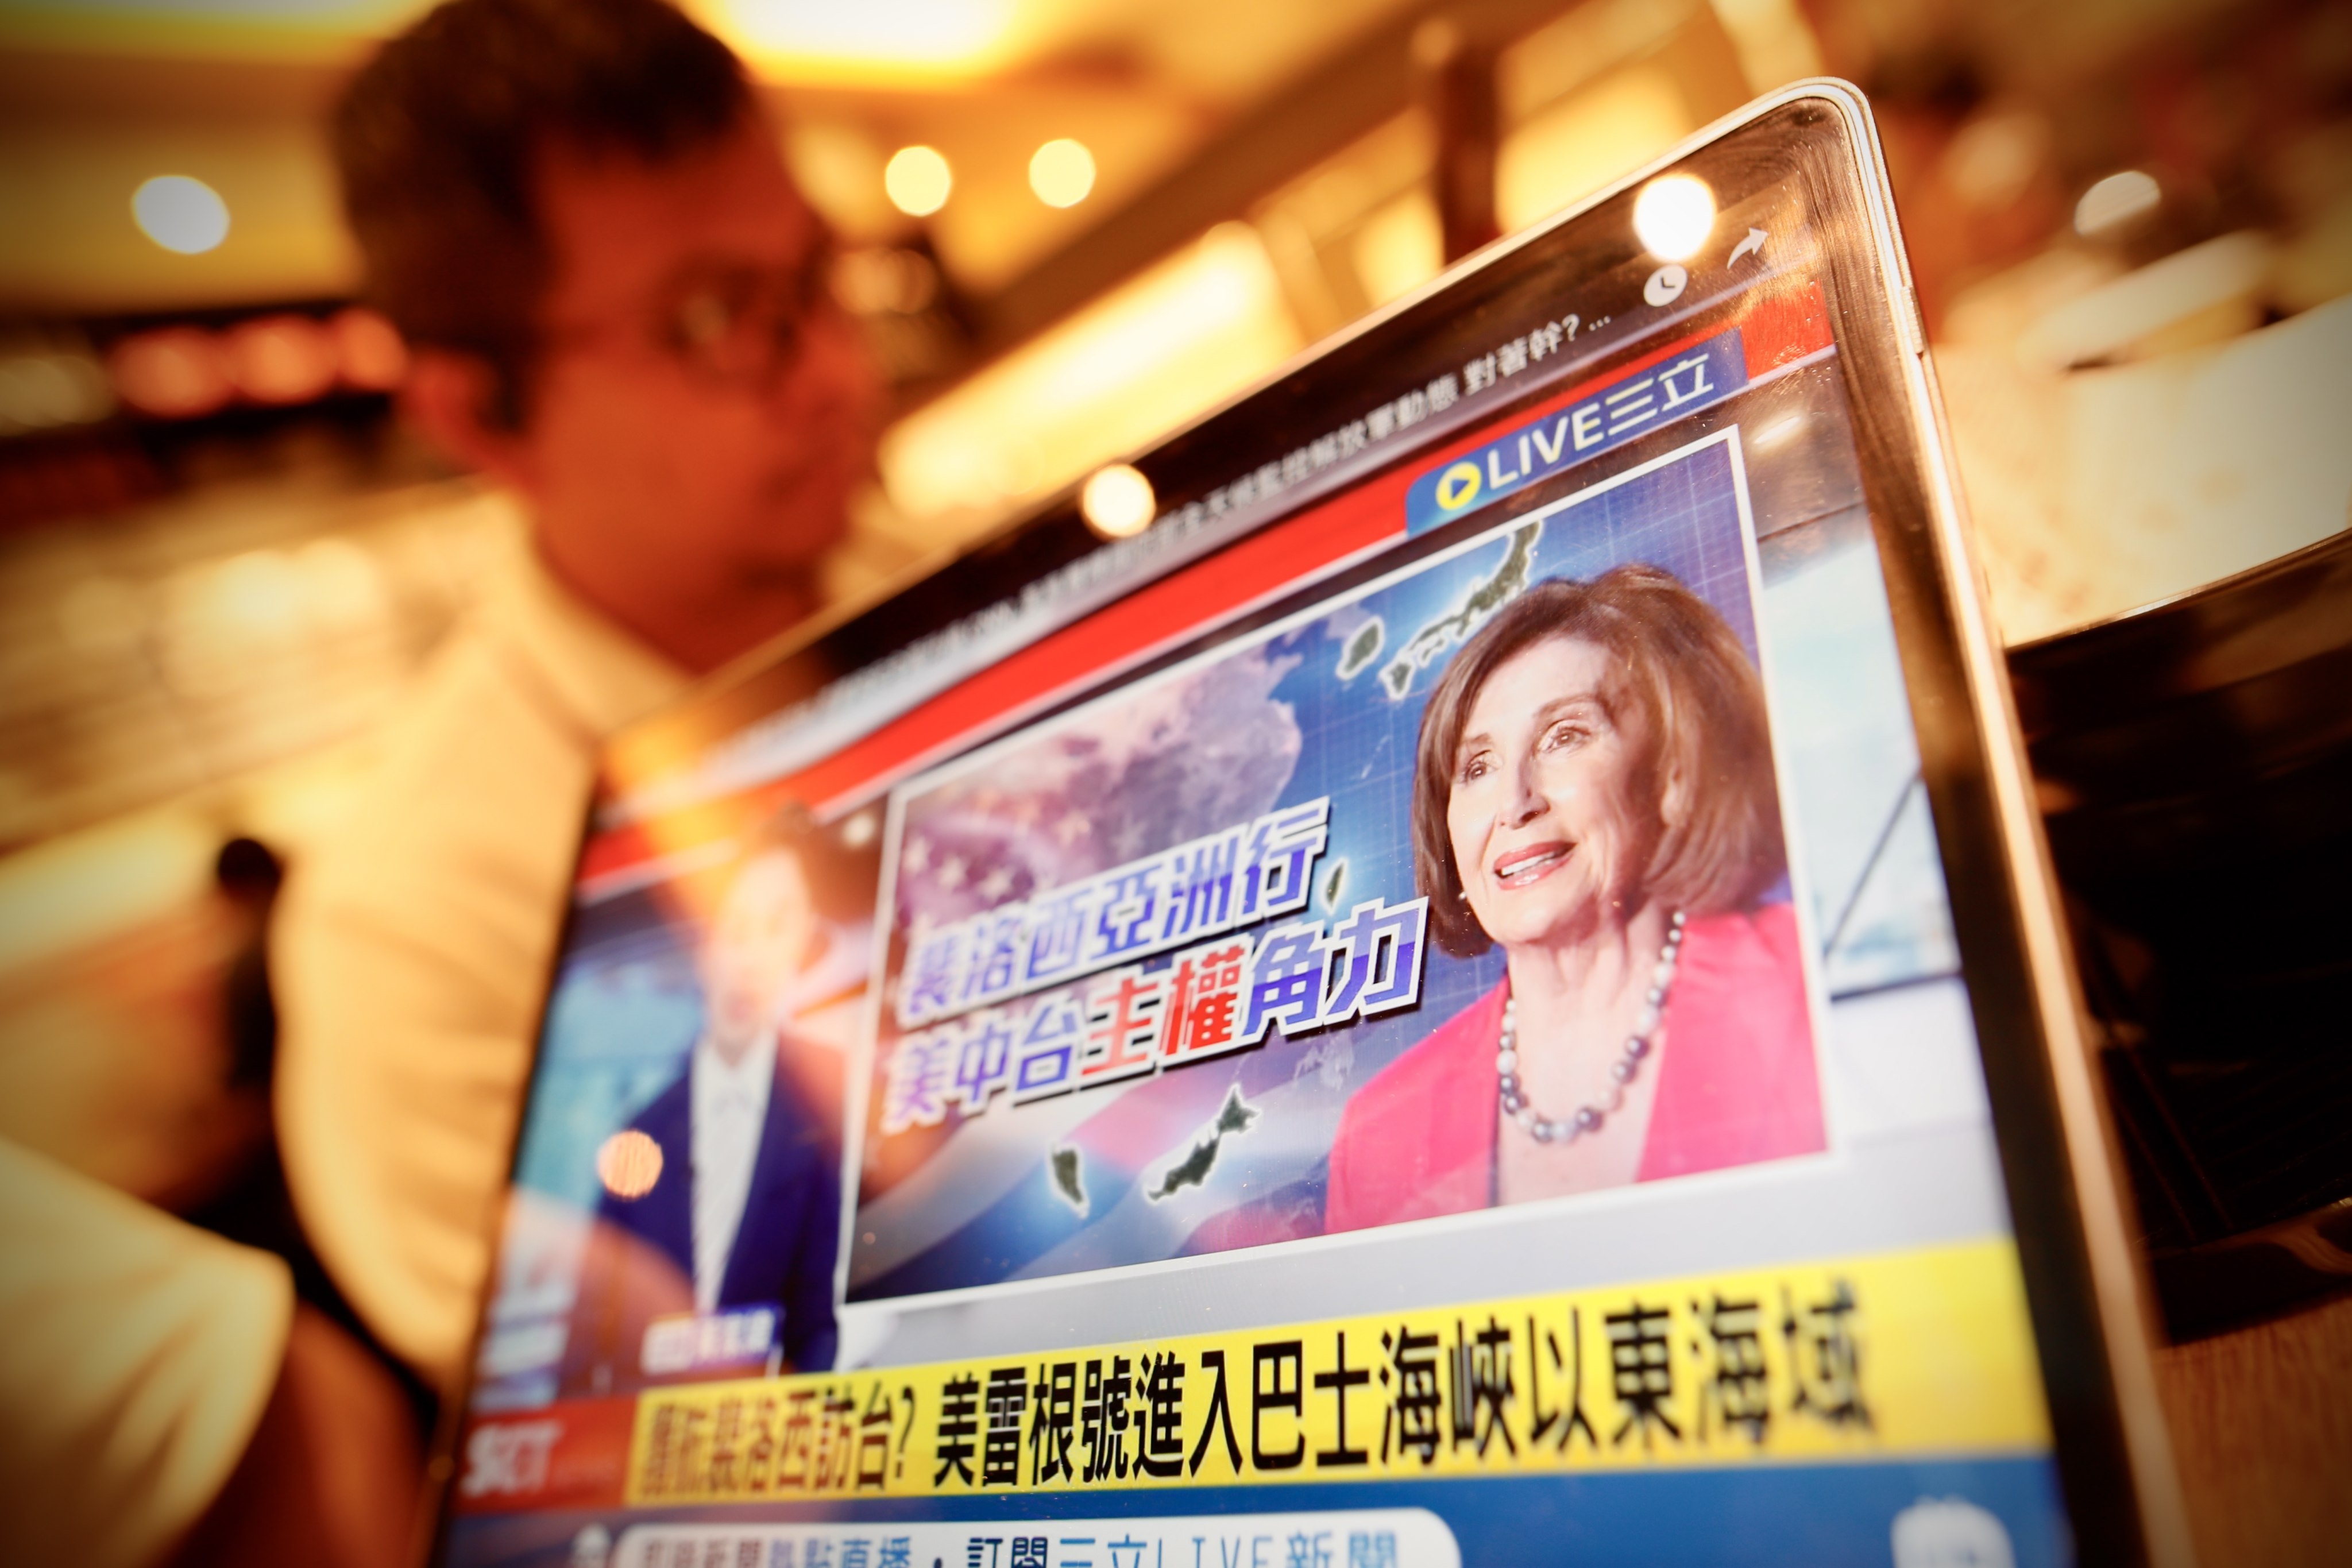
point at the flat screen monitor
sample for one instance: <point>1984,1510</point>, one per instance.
<point>1483,990</point>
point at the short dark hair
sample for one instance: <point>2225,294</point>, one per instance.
<point>1675,663</point>
<point>437,138</point>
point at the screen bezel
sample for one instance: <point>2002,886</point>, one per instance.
<point>2085,1282</point>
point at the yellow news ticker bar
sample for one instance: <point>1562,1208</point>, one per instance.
<point>1917,1352</point>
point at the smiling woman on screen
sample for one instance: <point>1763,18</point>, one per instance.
<point>1594,793</point>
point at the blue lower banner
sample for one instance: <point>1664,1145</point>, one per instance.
<point>1988,1512</point>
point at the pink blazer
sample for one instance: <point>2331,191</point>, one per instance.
<point>1736,1084</point>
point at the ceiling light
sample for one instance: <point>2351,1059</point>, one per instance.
<point>2115,200</point>
<point>1118,501</point>
<point>919,36</point>
<point>1673,214</point>
<point>918,180</point>
<point>1062,172</point>
<point>181,214</point>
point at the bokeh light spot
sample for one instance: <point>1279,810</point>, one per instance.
<point>1061,173</point>
<point>172,373</point>
<point>1118,501</point>
<point>369,350</point>
<point>281,360</point>
<point>2115,200</point>
<point>629,1163</point>
<point>181,214</point>
<point>918,180</point>
<point>1674,215</point>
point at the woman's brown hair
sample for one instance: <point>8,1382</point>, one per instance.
<point>1679,679</point>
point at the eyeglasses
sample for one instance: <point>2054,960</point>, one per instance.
<point>738,325</point>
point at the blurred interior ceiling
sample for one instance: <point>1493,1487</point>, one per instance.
<point>97,95</point>
<point>1193,109</point>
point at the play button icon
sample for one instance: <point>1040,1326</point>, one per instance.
<point>1666,285</point>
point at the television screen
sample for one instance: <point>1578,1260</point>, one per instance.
<point>1411,1013</point>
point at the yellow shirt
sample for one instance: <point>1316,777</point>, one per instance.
<point>136,1356</point>
<point>412,945</point>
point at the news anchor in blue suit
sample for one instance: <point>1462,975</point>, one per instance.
<point>744,1208</point>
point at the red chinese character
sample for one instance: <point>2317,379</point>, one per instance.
<point>1122,1027</point>
<point>1204,995</point>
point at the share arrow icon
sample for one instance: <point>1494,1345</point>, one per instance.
<point>1752,244</point>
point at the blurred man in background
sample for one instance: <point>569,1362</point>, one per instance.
<point>617,307</point>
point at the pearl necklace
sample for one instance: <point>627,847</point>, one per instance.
<point>1588,1119</point>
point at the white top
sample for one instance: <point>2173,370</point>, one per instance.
<point>136,1356</point>
<point>412,945</point>
<point>730,1106</point>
